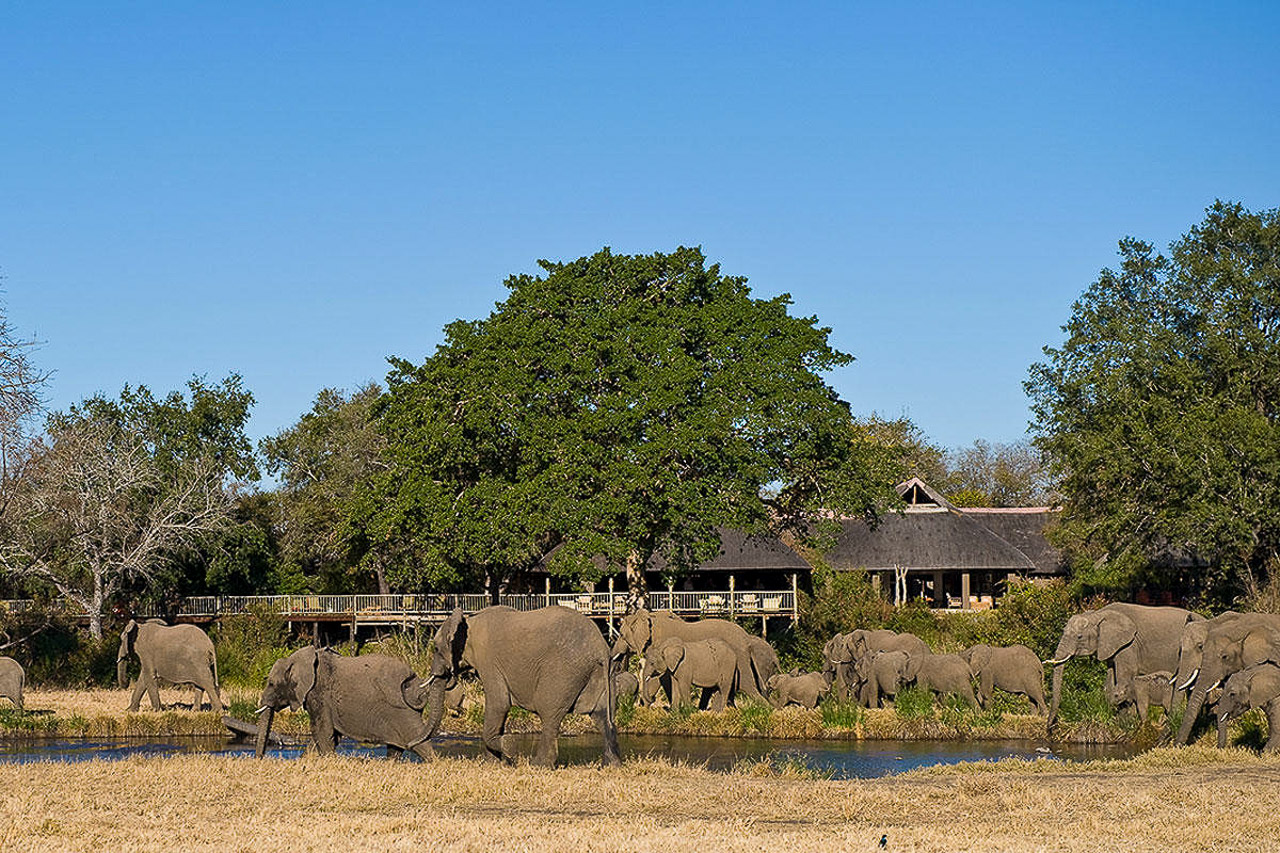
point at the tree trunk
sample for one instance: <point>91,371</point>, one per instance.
<point>381,575</point>
<point>637,586</point>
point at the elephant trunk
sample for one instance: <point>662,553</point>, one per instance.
<point>264,730</point>
<point>1057,695</point>
<point>435,704</point>
<point>122,673</point>
<point>1222,731</point>
<point>1194,704</point>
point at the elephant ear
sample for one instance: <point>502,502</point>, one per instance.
<point>911,667</point>
<point>128,636</point>
<point>302,672</point>
<point>671,654</point>
<point>637,630</point>
<point>979,657</point>
<point>1264,687</point>
<point>1261,647</point>
<point>450,641</point>
<point>1113,635</point>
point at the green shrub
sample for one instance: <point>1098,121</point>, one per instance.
<point>913,703</point>
<point>837,714</point>
<point>755,716</point>
<point>247,646</point>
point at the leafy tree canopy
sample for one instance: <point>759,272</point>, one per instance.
<point>1161,410</point>
<point>618,406</point>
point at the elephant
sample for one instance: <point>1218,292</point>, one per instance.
<point>941,674</point>
<point>764,660</point>
<point>178,654</point>
<point>1132,639</point>
<point>881,674</point>
<point>13,678</point>
<point>1191,648</point>
<point>552,661</point>
<point>843,650</point>
<point>454,698</point>
<point>1143,692</point>
<point>1014,669</point>
<point>1256,686</point>
<point>706,664</point>
<point>1230,646</point>
<point>803,689</point>
<point>626,685</point>
<point>641,629</point>
<point>370,698</point>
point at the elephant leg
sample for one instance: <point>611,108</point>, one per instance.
<point>721,700</point>
<point>1273,726</point>
<point>394,752</point>
<point>987,686</point>
<point>549,744</point>
<point>146,683</point>
<point>206,685</point>
<point>609,733</point>
<point>497,705</point>
<point>323,734</point>
<point>153,691</point>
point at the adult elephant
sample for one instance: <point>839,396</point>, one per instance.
<point>12,681</point>
<point>837,665</point>
<point>370,698</point>
<point>942,674</point>
<point>862,642</point>
<point>1014,669</point>
<point>643,629</point>
<point>1131,639</point>
<point>1230,646</point>
<point>177,654</point>
<point>764,661</point>
<point>705,665</point>
<point>1191,648</point>
<point>552,661</point>
<point>1252,687</point>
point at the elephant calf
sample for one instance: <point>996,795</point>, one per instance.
<point>711,665</point>
<point>626,685</point>
<point>880,674</point>
<point>803,689</point>
<point>1143,692</point>
<point>1256,686</point>
<point>12,679</point>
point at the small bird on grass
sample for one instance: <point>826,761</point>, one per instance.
<point>884,841</point>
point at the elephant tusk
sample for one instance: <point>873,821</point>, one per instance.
<point>1057,661</point>
<point>1194,673</point>
<point>262,709</point>
<point>1223,718</point>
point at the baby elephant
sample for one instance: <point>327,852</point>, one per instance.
<point>12,680</point>
<point>1256,686</point>
<point>711,665</point>
<point>1143,692</point>
<point>804,689</point>
<point>626,685</point>
<point>880,674</point>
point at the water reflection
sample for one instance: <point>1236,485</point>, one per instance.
<point>835,759</point>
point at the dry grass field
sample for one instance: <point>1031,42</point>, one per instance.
<point>1190,799</point>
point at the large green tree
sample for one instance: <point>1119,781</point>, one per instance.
<point>1160,412</point>
<point>615,407</point>
<point>321,462</point>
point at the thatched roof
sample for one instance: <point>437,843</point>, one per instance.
<point>925,541</point>
<point>1024,529</point>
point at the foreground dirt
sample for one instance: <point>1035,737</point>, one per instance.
<point>1170,800</point>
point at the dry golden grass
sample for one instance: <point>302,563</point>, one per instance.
<point>1190,799</point>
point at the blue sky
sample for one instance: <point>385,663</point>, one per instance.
<point>295,192</point>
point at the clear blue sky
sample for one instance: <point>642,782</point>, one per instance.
<point>296,191</point>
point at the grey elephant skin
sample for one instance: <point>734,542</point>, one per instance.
<point>1191,648</point>
<point>626,685</point>
<point>943,674</point>
<point>708,666</point>
<point>177,654</point>
<point>13,679</point>
<point>841,653</point>
<point>552,661</point>
<point>1230,646</point>
<point>641,629</point>
<point>1253,687</point>
<point>370,698</point>
<point>1131,639</point>
<point>1013,669</point>
<point>803,689</point>
<point>881,674</point>
<point>1143,692</point>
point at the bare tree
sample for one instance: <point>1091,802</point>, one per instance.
<point>21,384</point>
<point>95,509</point>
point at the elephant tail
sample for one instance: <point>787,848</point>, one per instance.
<point>610,695</point>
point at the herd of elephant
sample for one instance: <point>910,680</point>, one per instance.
<point>555,661</point>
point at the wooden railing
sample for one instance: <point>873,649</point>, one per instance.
<point>387,609</point>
